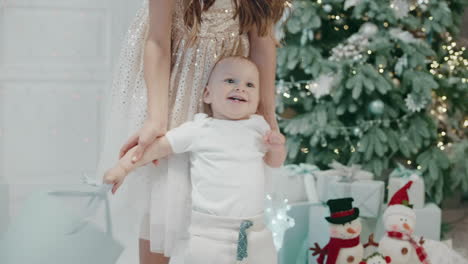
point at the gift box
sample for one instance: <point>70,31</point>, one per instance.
<point>342,181</point>
<point>4,206</point>
<point>318,228</point>
<point>295,247</point>
<point>340,172</point>
<point>428,223</point>
<point>48,231</point>
<point>296,183</point>
<point>399,177</point>
<point>368,195</point>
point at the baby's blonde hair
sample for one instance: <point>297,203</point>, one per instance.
<point>234,57</point>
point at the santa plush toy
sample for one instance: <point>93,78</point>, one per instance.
<point>344,246</point>
<point>399,222</point>
<point>376,258</point>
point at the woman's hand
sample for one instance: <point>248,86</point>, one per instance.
<point>142,139</point>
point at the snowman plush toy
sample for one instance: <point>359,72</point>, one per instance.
<point>399,222</point>
<point>399,242</point>
<point>344,246</point>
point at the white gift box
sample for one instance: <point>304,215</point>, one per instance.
<point>368,195</point>
<point>339,172</point>
<point>295,183</point>
<point>428,223</point>
<point>401,176</point>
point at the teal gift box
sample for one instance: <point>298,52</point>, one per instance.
<point>4,206</point>
<point>318,228</point>
<point>295,245</point>
<point>428,223</point>
<point>47,231</point>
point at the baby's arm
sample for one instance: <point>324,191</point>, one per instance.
<point>276,154</point>
<point>158,149</point>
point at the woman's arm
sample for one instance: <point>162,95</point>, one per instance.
<point>263,53</point>
<point>160,148</point>
<point>116,175</point>
<point>157,60</point>
<point>156,63</point>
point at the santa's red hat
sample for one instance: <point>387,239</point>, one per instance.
<point>400,203</point>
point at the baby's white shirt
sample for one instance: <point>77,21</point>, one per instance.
<point>227,166</point>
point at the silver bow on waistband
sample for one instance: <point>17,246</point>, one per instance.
<point>242,241</point>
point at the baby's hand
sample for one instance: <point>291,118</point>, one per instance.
<point>274,140</point>
<point>115,176</point>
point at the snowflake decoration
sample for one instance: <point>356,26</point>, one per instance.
<point>401,8</point>
<point>277,219</point>
<point>415,104</point>
<point>322,86</point>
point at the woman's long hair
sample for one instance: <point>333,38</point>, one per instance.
<point>259,14</point>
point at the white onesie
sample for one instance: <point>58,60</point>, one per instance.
<point>228,191</point>
<point>227,167</point>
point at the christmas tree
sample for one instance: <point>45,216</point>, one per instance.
<point>376,83</point>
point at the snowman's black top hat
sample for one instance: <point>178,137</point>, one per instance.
<point>342,211</point>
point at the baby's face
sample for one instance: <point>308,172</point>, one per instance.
<point>233,89</point>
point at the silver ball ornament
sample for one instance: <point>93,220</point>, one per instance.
<point>328,8</point>
<point>376,107</point>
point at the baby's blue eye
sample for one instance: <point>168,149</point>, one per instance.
<point>251,85</point>
<point>229,80</point>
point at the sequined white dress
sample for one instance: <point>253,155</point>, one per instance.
<point>166,187</point>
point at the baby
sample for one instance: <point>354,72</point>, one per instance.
<point>228,152</point>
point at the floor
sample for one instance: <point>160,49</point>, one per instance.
<point>458,218</point>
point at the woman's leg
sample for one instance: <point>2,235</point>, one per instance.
<point>148,257</point>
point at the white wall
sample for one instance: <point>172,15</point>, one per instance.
<point>56,60</point>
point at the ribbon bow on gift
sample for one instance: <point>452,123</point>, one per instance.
<point>301,169</point>
<point>349,174</point>
<point>405,173</point>
<point>307,171</point>
<point>96,196</point>
<point>345,177</point>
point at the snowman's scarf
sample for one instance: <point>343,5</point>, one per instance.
<point>332,249</point>
<point>422,255</point>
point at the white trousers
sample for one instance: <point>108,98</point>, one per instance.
<point>213,240</point>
